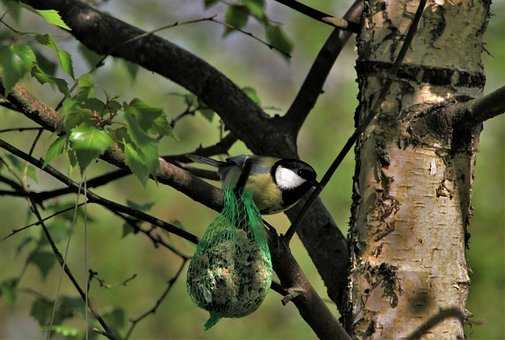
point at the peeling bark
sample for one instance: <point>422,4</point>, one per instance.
<point>414,169</point>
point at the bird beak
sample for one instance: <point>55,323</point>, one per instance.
<point>315,184</point>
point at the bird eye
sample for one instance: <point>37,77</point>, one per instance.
<point>302,173</point>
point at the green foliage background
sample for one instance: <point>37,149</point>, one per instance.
<point>248,63</point>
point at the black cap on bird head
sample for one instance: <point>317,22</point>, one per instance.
<point>290,174</point>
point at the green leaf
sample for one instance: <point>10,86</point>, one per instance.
<point>13,8</point>
<point>139,161</point>
<point>8,290</point>
<point>45,78</point>
<point>15,61</point>
<point>26,241</point>
<point>252,94</point>
<point>209,3</point>
<point>74,114</point>
<point>127,229</point>
<point>31,172</point>
<point>41,310</point>
<point>131,68</point>
<point>55,149</point>
<point>52,17</point>
<point>64,57</point>
<point>66,331</point>
<point>60,230</point>
<point>236,16</point>
<point>256,7</point>
<point>44,260</point>
<point>88,143</point>
<point>143,113</point>
<point>190,99</point>
<point>45,64</point>
<point>278,38</point>
<point>142,150</point>
<point>91,57</point>
<point>207,113</point>
<point>116,318</point>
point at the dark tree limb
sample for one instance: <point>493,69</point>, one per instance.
<point>360,129</point>
<point>22,101</point>
<point>309,303</point>
<point>312,86</point>
<point>98,31</point>
<point>342,24</point>
<point>312,308</point>
<point>219,148</point>
<point>244,118</point>
<point>481,109</point>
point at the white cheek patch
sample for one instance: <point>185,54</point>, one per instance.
<point>287,179</point>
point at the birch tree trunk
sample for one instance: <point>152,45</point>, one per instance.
<point>414,169</point>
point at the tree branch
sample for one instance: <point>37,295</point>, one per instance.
<point>312,308</point>
<point>157,304</point>
<point>108,332</point>
<point>92,183</point>
<point>94,198</point>
<point>481,109</point>
<point>315,79</point>
<point>340,23</point>
<point>368,119</point>
<point>22,101</point>
<point>96,30</point>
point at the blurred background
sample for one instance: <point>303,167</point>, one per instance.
<point>276,80</point>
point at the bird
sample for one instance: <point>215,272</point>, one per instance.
<point>276,184</point>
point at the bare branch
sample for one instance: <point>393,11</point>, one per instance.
<point>313,83</point>
<point>94,198</point>
<point>310,305</point>
<point>157,304</point>
<point>340,23</point>
<point>92,183</point>
<point>22,101</point>
<point>21,129</point>
<point>481,109</point>
<point>108,332</point>
<point>39,221</point>
<point>219,148</point>
<point>371,116</point>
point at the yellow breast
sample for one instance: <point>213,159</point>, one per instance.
<point>266,194</point>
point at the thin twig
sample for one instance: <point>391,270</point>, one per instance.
<point>21,129</point>
<point>368,119</point>
<point>92,197</point>
<point>20,229</point>
<point>249,34</point>
<point>101,61</point>
<point>221,147</point>
<point>108,332</point>
<point>157,304</point>
<point>312,86</point>
<point>340,23</point>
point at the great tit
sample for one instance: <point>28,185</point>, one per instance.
<point>276,184</point>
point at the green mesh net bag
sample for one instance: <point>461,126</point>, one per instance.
<point>231,270</point>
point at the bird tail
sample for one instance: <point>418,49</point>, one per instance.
<point>206,160</point>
